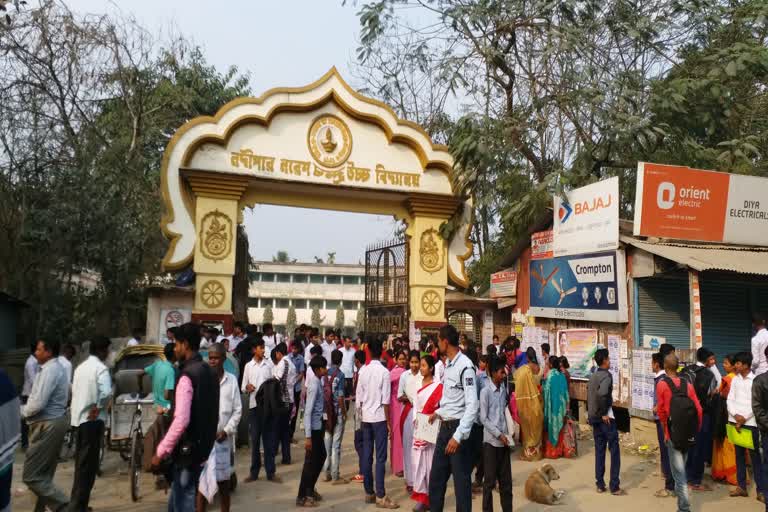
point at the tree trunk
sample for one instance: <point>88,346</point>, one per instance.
<point>241,281</point>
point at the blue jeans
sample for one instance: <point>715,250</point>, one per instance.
<point>669,481</point>
<point>606,436</point>
<point>183,489</point>
<point>700,453</point>
<point>333,449</point>
<point>443,466</point>
<point>359,450</point>
<point>758,470</point>
<point>374,435</point>
<point>677,463</point>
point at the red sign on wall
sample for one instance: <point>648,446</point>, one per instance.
<point>541,245</point>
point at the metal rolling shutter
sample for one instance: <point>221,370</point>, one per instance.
<point>663,310</point>
<point>725,316</point>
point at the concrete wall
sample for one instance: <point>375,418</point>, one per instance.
<point>162,299</point>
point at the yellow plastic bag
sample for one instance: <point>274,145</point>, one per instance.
<point>743,438</point>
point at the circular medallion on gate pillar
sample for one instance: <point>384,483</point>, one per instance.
<point>430,255</point>
<point>431,302</point>
<point>212,294</point>
<point>329,140</point>
<point>216,234</point>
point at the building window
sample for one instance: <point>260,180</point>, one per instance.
<point>300,278</point>
<point>351,280</point>
<point>266,301</point>
<point>332,304</point>
<point>283,278</point>
<point>332,279</point>
<point>316,278</point>
<point>267,277</point>
<point>301,303</point>
<point>315,303</point>
<point>254,276</point>
<point>253,302</point>
<point>350,304</point>
<point>283,303</point>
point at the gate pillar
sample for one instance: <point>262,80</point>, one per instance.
<point>428,256</point>
<point>216,214</point>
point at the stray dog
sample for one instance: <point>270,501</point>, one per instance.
<point>537,488</point>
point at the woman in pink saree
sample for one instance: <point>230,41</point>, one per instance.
<point>395,410</point>
<point>427,402</point>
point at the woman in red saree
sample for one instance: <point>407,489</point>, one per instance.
<point>395,410</point>
<point>427,402</point>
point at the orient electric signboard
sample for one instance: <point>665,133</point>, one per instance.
<point>691,204</point>
<point>580,287</point>
<point>588,219</point>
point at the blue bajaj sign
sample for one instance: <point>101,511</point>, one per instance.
<point>580,287</point>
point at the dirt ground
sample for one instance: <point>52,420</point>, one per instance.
<point>639,476</point>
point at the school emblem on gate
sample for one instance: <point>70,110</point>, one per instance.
<point>216,233</point>
<point>212,294</point>
<point>431,302</point>
<point>329,140</point>
<point>431,257</point>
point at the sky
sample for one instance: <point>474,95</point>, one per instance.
<point>278,43</point>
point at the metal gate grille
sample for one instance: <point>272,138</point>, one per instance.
<point>386,287</point>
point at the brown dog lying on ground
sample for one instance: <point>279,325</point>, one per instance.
<point>537,488</point>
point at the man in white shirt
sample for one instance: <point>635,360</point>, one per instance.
<point>741,415</point>
<point>271,339</point>
<point>31,369</point>
<point>230,411</point>
<point>759,344</point>
<point>440,368</point>
<point>285,371</point>
<point>314,341</point>
<point>238,335</point>
<point>347,365</point>
<point>373,396</point>
<point>91,391</point>
<point>136,340</point>
<point>65,359</point>
<point>256,372</point>
<point>329,345</point>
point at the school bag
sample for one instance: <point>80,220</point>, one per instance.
<point>329,402</point>
<point>701,379</point>
<point>683,419</point>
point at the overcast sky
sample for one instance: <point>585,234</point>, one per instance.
<point>279,43</point>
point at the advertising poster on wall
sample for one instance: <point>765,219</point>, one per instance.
<point>504,284</point>
<point>541,245</point>
<point>587,219</point>
<point>172,318</point>
<point>673,201</point>
<point>579,346</point>
<point>642,379</point>
<point>614,342</point>
<point>487,332</point>
<point>534,337</point>
<point>580,287</point>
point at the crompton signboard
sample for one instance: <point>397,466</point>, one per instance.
<point>691,204</point>
<point>589,220</point>
<point>580,287</point>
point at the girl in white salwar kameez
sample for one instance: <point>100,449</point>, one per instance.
<point>427,402</point>
<point>410,383</point>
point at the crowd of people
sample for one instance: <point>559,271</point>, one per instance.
<point>439,411</point>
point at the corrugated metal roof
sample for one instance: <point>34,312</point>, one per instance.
<point>732,258</point>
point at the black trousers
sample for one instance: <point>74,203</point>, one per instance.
<point>282,437</point>
<point>476,438</point>
<point>497,467</point>
<point>443,466</point>
<point>297,401</point>
<point>88,443</point>
<point>313,465</point>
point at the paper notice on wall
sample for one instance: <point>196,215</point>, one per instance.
<point>642,379</point>
<point>614,342</point>
<point>625,376</point>
<point>623,349</point>
<point>487,332</point>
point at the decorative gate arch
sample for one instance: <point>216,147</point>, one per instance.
<point>320,146</point>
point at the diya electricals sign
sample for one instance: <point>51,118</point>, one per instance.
<point>587,219</point>
<point>673,201</point>
<point>580,287</point>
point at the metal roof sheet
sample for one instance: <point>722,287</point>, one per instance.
<point>732,258</point>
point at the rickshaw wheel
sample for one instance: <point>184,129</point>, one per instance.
<point>136,456</point>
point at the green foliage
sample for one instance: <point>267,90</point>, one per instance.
<point>290,321</point>
<point>360,320</point>
<point>281,257</point>
<point>268,316</point>
<point>316,320</point>
<point>338,325</point>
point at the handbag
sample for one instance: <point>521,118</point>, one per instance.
<point>743,439</point>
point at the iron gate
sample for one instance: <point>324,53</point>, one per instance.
<point>386,287</point>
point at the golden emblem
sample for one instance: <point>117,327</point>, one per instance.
<point>216,232</point>
<point>212,294</point>
<point>429,251</point>
<point>431,302</point>
<point>329,140</point>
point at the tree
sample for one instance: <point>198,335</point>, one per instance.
<point>316,320</point>
<point>339,324</point>
<point>331,258</point>
<point>267,317</point>
<point>360,320</point>
<point>290,321</point>
<point>281,257</point>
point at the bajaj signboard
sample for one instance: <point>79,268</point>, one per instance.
<point>587,219</point>
<point>690,204</point>
<point>580,287</point>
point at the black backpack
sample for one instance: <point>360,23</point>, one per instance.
<point>683,419</point>
<point>701,379</point>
